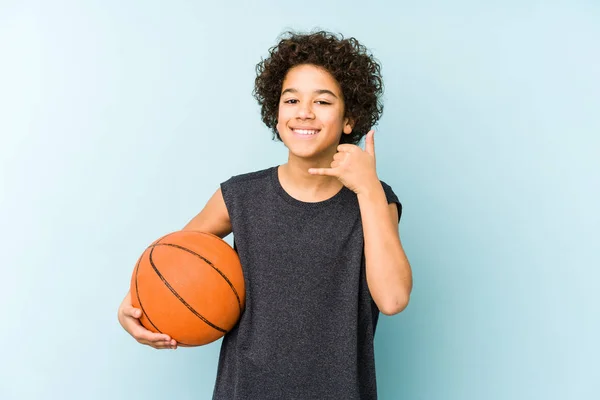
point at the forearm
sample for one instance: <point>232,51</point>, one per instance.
<point>388,271</point>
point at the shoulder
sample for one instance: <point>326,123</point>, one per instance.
<point>239,187</point>
<point>392,197</point>
<point>389,192</point>
<point>249,176</point>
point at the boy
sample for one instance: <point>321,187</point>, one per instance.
<point>317,237</point>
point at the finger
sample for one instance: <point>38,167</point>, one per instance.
<point>142,333</point>
<point>370,143</point>
<point>347,148</point>
<point>157,337</point>
<point>164,344</point>
<point>159,345</point>
<point>322,171</point>
<point>339,156</point>
<point>169,344</point>
<point>335,164</point>
<point>132,312</point>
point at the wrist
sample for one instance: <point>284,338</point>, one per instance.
<point>372,188</point>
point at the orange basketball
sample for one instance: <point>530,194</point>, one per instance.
<point>190,286</point>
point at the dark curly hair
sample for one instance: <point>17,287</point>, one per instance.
<point>357,72</point>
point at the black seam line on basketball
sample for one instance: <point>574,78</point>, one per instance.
<point>181,299</point>
<point>137,294</point>
<point>209,263</point>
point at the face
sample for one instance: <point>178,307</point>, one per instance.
<point>311,113</point>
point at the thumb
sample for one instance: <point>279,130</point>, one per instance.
<point>370,143</point>
<point>134,312</point>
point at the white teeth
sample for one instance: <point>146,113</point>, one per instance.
<point>305,132</point>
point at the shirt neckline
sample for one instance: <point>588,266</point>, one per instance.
<point>299,203</point>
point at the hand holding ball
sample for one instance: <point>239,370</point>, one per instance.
<point>190,286</point>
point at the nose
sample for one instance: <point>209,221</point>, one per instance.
<point>305,111</point>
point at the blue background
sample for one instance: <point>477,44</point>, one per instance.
<point>119,119</point>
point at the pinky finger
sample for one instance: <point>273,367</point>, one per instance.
<point>155,345</point>
<point>321,171</point>
<point>162,345</point>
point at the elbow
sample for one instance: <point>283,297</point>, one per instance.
<point>395,305</point>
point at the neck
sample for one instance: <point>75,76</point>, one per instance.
<point>294,174</point>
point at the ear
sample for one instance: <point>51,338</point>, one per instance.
<point>348,125</point>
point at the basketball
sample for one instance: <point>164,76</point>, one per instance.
<point>190,286</point>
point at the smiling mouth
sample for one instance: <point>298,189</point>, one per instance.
<point>306,132</point>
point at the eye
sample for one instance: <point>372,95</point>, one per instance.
<point>322,102</point>
<point>290,101</point>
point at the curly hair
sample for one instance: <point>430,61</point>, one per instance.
<point>357,72</point>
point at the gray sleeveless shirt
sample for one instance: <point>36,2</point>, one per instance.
<point>308,327</point>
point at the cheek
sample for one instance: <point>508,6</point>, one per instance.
<point>333,120</point>
<point>332,116</point>
<point>284,116</point>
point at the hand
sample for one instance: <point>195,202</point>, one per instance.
<point>354,167</point>
<point>128,318</point>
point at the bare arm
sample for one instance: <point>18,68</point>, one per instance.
<point>213,218</point>
<point>389,275</point>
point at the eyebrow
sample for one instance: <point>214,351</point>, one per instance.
<point>318,91</point>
